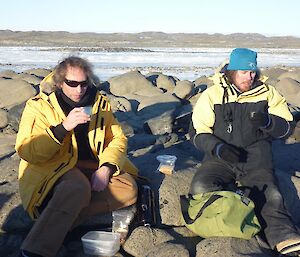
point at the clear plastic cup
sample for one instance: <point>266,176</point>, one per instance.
<point>166,163</point>
<point>88,109</point>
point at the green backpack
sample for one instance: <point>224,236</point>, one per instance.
<point>220,214</point>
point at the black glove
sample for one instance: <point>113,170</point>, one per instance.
<point>227,152</point>
<point>260,119</point>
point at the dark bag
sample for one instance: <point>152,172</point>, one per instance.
<point>146,214</point>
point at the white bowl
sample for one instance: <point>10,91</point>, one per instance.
<point>101,243</point>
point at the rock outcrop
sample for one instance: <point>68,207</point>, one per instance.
<point>154,111</point>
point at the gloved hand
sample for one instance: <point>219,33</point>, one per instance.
<point>260,119</point>
<point>227,152</point>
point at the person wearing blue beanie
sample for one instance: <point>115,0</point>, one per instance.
<point>234,123</point>
<point>241,71</point>
<point>242,59</point>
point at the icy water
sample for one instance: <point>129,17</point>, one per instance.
<point>184,63</point>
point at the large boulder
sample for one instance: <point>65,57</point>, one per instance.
<point>41,73</point>
<point>7,74</point>
<point>202,83</point>
<point>146,241</point>
<point>169,194</point>
<point>128,83</point>
<point>143,239</point>
<point>183,89</point>
<point>154,106</point>
<point>138,141</point>
<point>149,92</point>
<point>3,118</point>
<point>166,83</point>
<point>152,77</point>
<point>131,120</point>
<point>14,116</point>
<point>134,100</point>
<point>161,124</point>
<point>119,104</point>
<point>273,73</point>
<point>9,169</point>
<point>169,249</point>
<point>14,92</point>
<point>290,74</point>
<point>12,215</point>
<point>233,247</point>
<point>290,89</point>
<point>32,79</point>
<point>7,145</point>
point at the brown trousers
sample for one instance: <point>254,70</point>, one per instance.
<point>71,203</point>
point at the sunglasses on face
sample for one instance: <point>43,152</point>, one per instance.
<point>73,83</point>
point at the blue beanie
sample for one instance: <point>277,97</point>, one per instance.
<point>242,59</point>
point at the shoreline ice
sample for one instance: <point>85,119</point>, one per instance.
<point>184,63</point>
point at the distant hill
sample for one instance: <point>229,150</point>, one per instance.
<point>143,39</point>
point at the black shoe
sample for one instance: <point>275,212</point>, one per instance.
<point>24,253</point>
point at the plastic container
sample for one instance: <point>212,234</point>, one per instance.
<point>101,243</point>
<point>166,163</point>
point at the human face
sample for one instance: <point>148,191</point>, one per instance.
<point>243,79</point>
<point>74,93</point>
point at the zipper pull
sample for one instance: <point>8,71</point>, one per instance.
<point>229,128</point>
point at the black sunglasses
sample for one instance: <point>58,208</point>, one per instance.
<point>73,83</point>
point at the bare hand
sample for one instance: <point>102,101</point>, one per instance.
<point>75,117</point>
<point>100,178</point>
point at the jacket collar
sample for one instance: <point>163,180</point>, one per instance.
<point>220,79</point>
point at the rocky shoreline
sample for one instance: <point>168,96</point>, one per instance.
<point>98,49</point>
<point>143,39</point>
<point>154,111</point>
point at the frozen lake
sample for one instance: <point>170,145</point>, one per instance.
<point>185,63</point>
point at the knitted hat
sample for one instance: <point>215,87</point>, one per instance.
<point>242,59</point>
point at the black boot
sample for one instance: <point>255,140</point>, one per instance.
<point>24,253</point>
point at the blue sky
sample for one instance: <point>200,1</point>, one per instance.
<point>267,17</point>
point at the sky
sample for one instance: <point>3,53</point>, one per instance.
<point>267,17</point>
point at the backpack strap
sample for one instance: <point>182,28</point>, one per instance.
<point>184,202</point>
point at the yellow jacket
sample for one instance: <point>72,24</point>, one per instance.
<point>221,115</point>
<point>44,159</point>
<point>204,113</point>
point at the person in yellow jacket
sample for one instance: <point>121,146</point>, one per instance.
<point>235,121</point>
<point>73,157</point>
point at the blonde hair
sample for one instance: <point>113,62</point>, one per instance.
<point>60,70</point>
